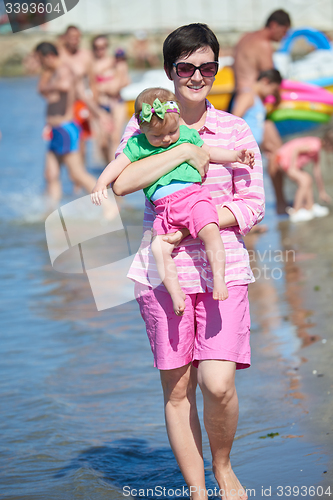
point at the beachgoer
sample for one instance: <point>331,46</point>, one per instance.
<point>107,79</point>
<point>211,339</point>
<point>291,158</point>
<point>250,105</point>
<point>59,86</point>
<point>177,196</point>
<point>253,54</point>
<point>143,55</point>
<point>80,61</point>
<point>73,54</point>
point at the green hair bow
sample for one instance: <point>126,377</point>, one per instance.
<point>158,108</point>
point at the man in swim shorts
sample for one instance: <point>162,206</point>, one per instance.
<point>58,85</point>
<point>253,54</point>
<point>80,61</point>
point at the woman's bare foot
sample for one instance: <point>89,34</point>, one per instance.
<point>230,487</point>
<point>220,291</point>
<point>178,301</point>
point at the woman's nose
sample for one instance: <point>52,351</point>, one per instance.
<point>197,75</point>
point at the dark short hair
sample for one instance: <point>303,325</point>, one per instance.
<point>71,27</point>
<point>47,48</point>
<point>186,40</point>
<point>97,37</point>
<point>280,17</point>
<point>272,75</point>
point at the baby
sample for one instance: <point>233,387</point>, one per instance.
<point>179,199</point>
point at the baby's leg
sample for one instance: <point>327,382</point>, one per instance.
<point>215,251</point>
<point>167,271</point>
<point>304,193</point>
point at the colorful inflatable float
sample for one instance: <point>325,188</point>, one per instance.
<point>306,98</point>
<point>303,107</point>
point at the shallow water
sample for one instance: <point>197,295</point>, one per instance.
<point>81,404</point>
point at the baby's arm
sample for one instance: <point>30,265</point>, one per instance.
<point>220,155</point>
<point>109,174</point>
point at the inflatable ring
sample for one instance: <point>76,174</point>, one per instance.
<point>298,114</point>
<point>287,127</point>
<point>307,106</point>
<point>314,37</point>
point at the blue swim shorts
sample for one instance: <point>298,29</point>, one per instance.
<point>65,139</point>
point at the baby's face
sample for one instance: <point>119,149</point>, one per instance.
<point>164,135</point>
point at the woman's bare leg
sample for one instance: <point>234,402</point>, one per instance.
<point>183,426</point>
<point>167,271</point>
<point>215,251</point>
<point>217,383</point>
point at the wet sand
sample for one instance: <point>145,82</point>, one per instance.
<point>83,411</point>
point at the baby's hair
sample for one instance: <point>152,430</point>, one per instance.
<point>148,96</point>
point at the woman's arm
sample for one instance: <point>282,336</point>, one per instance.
<point>248,204</point>
<point>243,102</point>
<point>142,173</point>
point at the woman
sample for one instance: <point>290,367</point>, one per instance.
<point>107,78</point>
<point>188,349</point>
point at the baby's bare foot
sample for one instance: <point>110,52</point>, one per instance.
<point>220,291</point>
<point>178,301</point>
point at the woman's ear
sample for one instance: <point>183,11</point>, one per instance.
<point>167,73</point>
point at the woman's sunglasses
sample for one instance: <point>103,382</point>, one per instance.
<point>185,70</point>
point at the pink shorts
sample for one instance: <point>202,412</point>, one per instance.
<point>191,207</point>
<point>209,329</point>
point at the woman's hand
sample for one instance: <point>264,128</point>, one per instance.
<point>197,157</point>
<point>177,237</point>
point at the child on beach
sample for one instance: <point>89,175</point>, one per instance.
<point>179,200</point>
<point>250,105</point>
<point>291,158</point>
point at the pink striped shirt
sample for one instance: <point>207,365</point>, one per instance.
<point>240,189</point>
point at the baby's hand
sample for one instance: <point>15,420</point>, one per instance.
<point>325,197</point>
<point>97,193</point>
<point>246,157</point>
